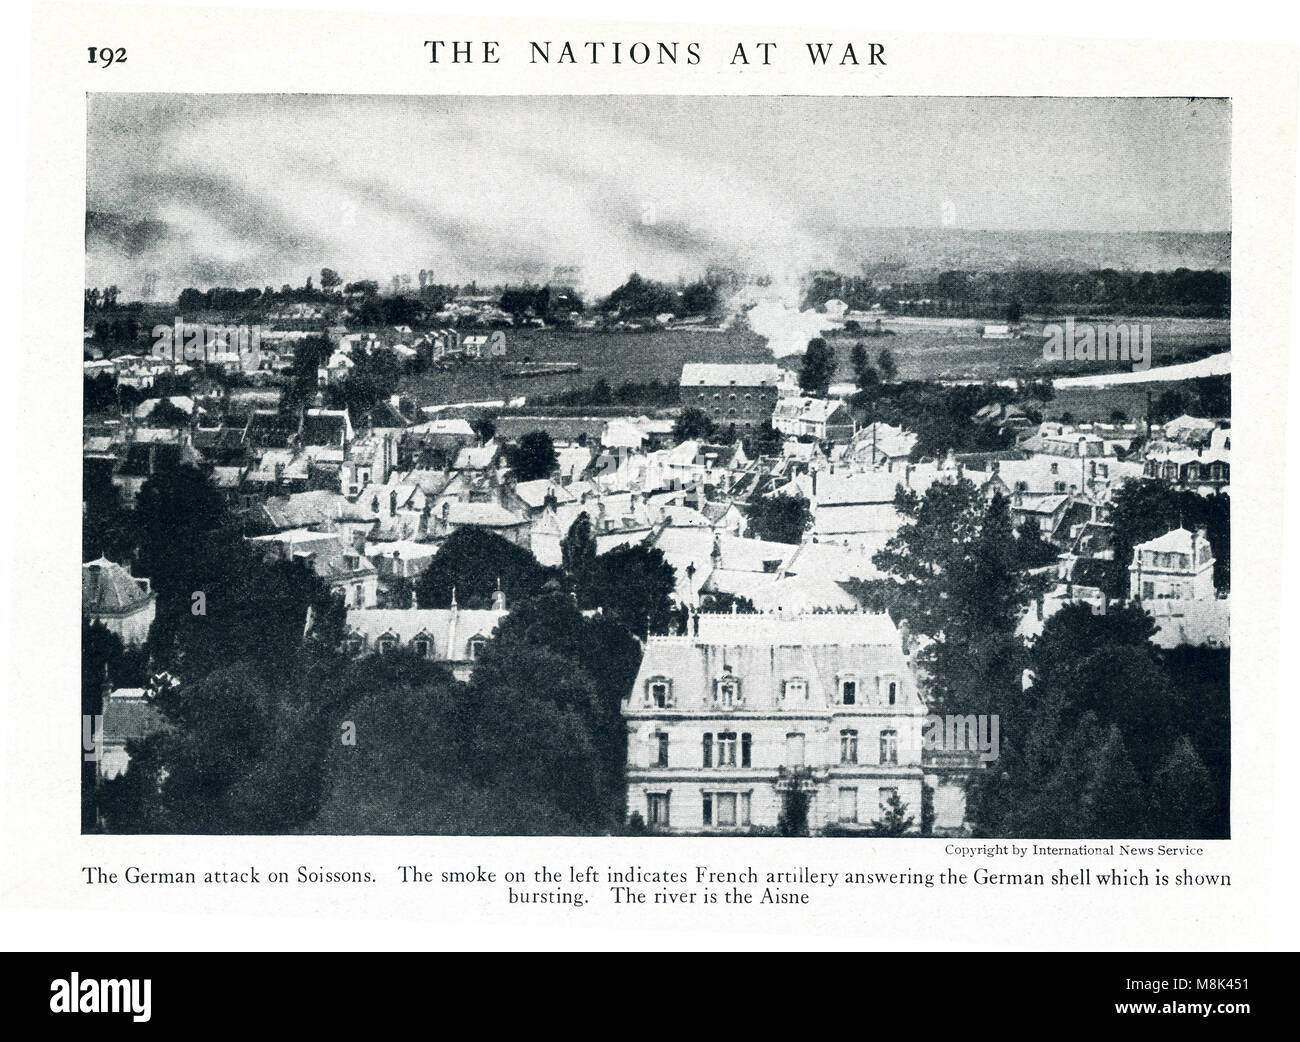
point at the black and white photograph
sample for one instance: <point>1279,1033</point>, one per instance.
<point>657,465</point>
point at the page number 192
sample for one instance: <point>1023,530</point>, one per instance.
<point>106,56</point>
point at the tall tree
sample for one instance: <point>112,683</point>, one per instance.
<point>532,457</point>
<point>634,585</point>
<point>818,367</point>
<point>887,366</point>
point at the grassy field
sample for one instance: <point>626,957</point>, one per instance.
<point>955,349</point>
<point>618,357</point>
<point>922,349</point>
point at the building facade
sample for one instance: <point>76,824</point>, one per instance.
<point>725,721</point>
<point>825,419</point>
<point>1178,565</point>
<point>741,394</point>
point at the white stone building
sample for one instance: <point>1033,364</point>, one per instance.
<point>724,720</point>
<point>1178,565</point>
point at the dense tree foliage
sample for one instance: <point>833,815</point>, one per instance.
<point>1110,741</point>
<point>781,518</point>
<point>1000,294</point>
<point>694,425</point>
<point>532,457</point>
<point>817,368</point>
<point>1142,510</point>
<point>472,561</point>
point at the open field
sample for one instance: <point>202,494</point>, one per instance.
<point>922,348</point>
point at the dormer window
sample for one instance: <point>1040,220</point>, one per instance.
<point>475,647</point>
<point>659,692</point>
<point>849,690</point>
<point>726,692</point>
<point>423,645</point>
<point>355,644</point>
<point>796,690</point>
<point>386,643</point>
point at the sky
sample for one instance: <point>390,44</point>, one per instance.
<point>256,190</point>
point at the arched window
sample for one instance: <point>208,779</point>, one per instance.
<point>386,643</point>
<point>423,645</point>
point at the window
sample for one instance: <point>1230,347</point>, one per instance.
<point>886,795</point>
<point>849,692</point>
<point>727,809</point>
<point>657,809</point>
<point>726,748</point>
<point>423,645</point>
<point>893,692</point>
<point>849,805</point>
<point>355,644</point>
<point>848,746</point>
<point>794,750</point>
<point>796,690</point>
<point>1056,468</point>
<point>386,643</point>
<point>476,646</point>
<point>708,749</point>
<point>727,692</point>
<point>660,747</point>
<point>889,747</point>
<point>746,747</point>
<point>659,692</point>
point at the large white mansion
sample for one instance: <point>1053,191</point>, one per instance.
<point>725,719</point>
